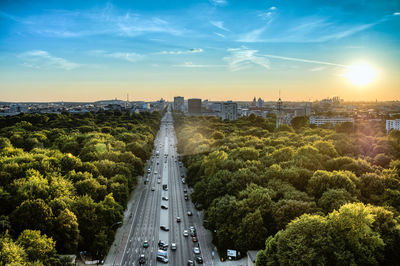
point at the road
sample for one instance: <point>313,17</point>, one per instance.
<point>145,215</point>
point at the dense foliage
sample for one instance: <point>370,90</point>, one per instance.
<point>65,181</point>
<point>305,195</point>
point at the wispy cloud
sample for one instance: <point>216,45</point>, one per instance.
<point>219,25</point>
<point>244,58</point>
<point>43,59</point>
<point>126,56</point>
<point>396,14</point>
<point>219,34</point>
<point>272,8</point>
<point>191,65</point>
<point>308,29</point>
<point>252,36</point>
<point>303,60</point>
<point>104,21</point>
<point>179,52</point>
<point>218,2</point>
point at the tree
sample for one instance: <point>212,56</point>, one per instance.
<point>11,253</point>
<point>344,237</point>
<point>333,199</point>
<point>299,122</point>
<point>251,233</point>
<point>321,181</point>
<point>37,246</point>
<point>32,214</point>
<point>67,232</point>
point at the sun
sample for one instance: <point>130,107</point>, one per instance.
<point>360,74</point>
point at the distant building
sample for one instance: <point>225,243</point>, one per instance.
<point>179,103</point>
<point>260,102</point>
<point>279,113</point>
<point>254,102</point>
<point>229,111</point>
<point>194,106</point>
<point>322,120</point>
<point>392,124</point>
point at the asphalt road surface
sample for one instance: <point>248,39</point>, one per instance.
<point>146,215</point>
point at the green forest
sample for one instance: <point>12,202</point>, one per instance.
<point>65,180</point>
<point>300,195</point>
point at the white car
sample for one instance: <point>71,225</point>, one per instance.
<point>196,250</point>
<point>185,233</point>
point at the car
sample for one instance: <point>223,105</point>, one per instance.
<point>164,228</point>
<point>186,197</point>
<point>173,246</point>
<point>162,259</point>
<point>185,233</point>
<point>153,188</point>
<point>158,163</point>
<point>194,238</point>
<point>199,260</point>
<point>148,170</point>
<point>165,207</point>
<point>183,176</point>
<point>189,213</point>
<point>196,250</point>
<point>155,172</point>
<point>178,219</point>
<point>158,181</point>
<point>190,263</point>
<point>165,247</point>
<point>142,259</point>
<point>146,244</point>
<point>192,228</point>
<point>183,181</point>
<point>164,198</point>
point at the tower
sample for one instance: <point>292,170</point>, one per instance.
<point>279,115</point>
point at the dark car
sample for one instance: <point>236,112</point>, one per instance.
<point>186,197</point>
<point>190,263</point>
<point>162,259</point>
<point>194,238</point>
<point>164,207</point>
<point>199,260</point>
<point>165,198</point>
<point>142,259</point>
<point>146,244</point>
<point>189,213</point>
<point>178,219</point>
<point>164,228</point>
<point>185,190</point>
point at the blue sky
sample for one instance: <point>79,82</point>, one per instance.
<point>215,49</point>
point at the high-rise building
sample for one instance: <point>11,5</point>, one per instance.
<point>229,110</point>
<point>392,124</point>
<point>279,114</point>
<point>194,106</point>
<point>179,103</point>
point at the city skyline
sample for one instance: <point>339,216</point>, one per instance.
<point>217,50</point>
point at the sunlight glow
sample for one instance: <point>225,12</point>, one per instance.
<point>360,74</point>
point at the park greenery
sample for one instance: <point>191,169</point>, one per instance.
<point>301,195</point>
<point>65,180</point>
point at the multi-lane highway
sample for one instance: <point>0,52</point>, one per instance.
<point>146,216</point>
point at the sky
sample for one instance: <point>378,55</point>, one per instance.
<point>210,49</point>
